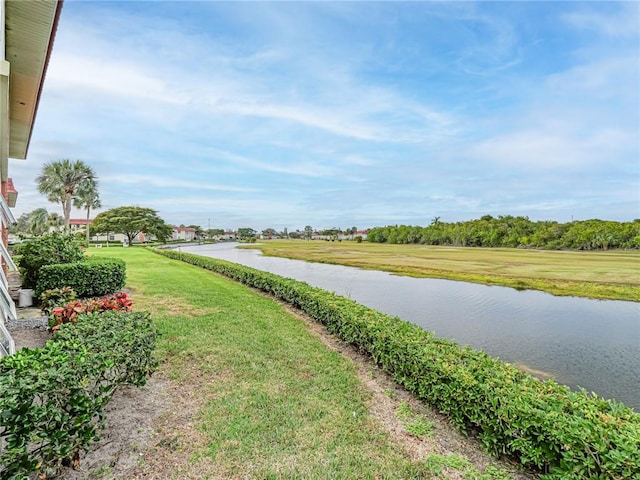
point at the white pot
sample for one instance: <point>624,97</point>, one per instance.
<point>25,297</point>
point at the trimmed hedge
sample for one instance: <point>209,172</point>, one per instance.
<point>53,248</point>
<point>52,398</point>
<point>93,277</point>
<point>544,425</point>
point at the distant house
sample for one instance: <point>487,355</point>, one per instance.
<point>111,237</point>
<point>229,235</point>
<point>77,225</point>
<point>340,236</point>
<point>362,233</point>
<point>183,233</point>
<point>270,236</point>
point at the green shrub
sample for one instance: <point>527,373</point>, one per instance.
<point>53,398</point>
<point>56,297</point>
<point>546,426</point>
<point>54,248</point>
<point>91,278</point>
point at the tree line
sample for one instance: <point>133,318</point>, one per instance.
<point>509,231</point>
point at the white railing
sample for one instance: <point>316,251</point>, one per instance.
<point>7,216</point>
<point>7,257</point>
<point>7,311</point>
<point>7,345</point>
<point>7,306</point>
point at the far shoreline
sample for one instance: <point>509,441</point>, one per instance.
<point>559,273</point>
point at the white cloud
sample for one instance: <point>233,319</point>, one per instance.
<point>547,149</point>
<point>359,161</point>
<point>69,72</point>
<point>256,212</point>
<point>489,54</point>
<point>319,113</point>
<point>612,76</point>
<point>171,183</point>
<point>300,168</point>
<point>624,22</point>
<point>323,95</point>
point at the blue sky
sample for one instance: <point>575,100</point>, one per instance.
<point>234,114</point>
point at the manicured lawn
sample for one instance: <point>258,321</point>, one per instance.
<point>275,402</point>
<point>606,275</point>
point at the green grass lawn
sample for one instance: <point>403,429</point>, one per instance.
<point>606,275</point>
<point>275,401</point>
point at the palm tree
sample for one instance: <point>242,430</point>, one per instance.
<point>38,222</point>
<point>60,181</point>
<point>88,198</point>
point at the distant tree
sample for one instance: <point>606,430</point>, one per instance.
<point>38,222</point>
<point>308,232</point>
<point>331,233</point>
<point>62,180</point>
<point>285,233</point>
<point>199,233</point>
<point>510,231</point>
<point>21,227</point>
<point>130,221</point>
<point>246,233</point>
<point>88,198</point>
<point>34,223</point>
<point>269,233</point>
<point>214,232</point>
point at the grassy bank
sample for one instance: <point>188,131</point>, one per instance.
<point>513,413</point>
<point>272,400</point>
<point>605,275</point>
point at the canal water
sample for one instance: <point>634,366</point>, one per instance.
<point>594,344</point>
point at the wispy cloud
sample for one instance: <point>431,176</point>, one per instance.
<point>172,184</point>
<point>621,21</point>
<point>298,168</point>
<point>323,113</point>
<point>358,160</point>
<point>534,150</point>
<point>336,102</point>
<point>108,76</point>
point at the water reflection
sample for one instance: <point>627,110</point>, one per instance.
<point>591,343</point>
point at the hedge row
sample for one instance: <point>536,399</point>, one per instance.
<point>92,277</point>
<point>546,426</point>
<point>52,398</point>
<point>49,249</point>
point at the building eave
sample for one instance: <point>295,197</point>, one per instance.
<point>30,29</point>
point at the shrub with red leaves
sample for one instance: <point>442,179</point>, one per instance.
<point>69,313</point>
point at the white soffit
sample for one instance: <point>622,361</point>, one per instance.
<point>29,32</point>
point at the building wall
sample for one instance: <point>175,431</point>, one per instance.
<point>8,345</point>
<point>187,234</point>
